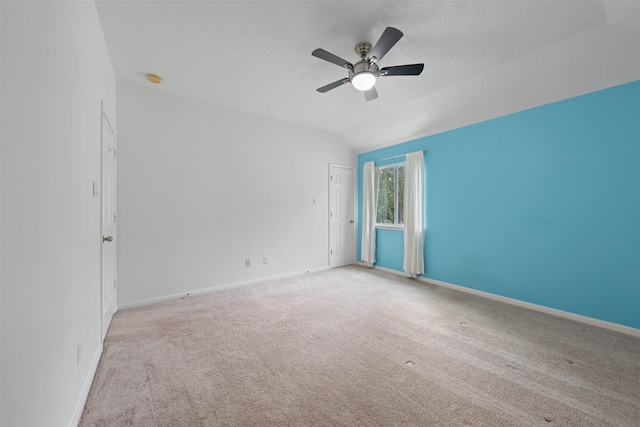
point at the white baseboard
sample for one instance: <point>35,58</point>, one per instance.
<point>217,288</point>
<point>555,312</point>
<point>87,387</point>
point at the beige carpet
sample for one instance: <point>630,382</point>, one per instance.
<point>357,347</point>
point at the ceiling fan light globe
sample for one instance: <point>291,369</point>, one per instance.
<point>364,80</point>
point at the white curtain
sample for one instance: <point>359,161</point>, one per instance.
<point>414,214</point>
<point>369,208</point>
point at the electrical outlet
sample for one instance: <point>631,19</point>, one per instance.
<point>247,262</point>
<point>265,260</point>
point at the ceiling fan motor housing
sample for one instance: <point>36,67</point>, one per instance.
<point>363,67</point>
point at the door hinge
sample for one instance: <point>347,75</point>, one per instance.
<point>114,284</point>
<point>115,153</point>
<point>331,251</point>
<point>114,218</point>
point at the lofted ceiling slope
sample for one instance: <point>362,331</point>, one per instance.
<point>482,59</point>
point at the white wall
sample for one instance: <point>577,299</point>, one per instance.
<point>201,188</point>
<point>55,71</point>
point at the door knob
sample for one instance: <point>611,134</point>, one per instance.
<point>107,239</point>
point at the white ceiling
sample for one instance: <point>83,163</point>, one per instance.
<point>482,59</point>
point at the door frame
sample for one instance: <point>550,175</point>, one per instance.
<point>355,210</point>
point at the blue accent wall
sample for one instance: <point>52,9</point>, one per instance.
<point>541,205</point>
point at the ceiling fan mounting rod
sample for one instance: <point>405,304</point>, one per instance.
<point>362,49</point>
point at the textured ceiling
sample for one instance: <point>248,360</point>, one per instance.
<point>482,58</point>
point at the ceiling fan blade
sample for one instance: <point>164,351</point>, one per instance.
<point>327,56</point>
<point>387,40</point>
<point>402,70</point>
<point>333,85</point>
<point>371,94</point>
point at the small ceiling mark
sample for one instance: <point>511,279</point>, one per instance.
<point>153,78</point>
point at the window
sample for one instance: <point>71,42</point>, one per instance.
<point>390,195</point>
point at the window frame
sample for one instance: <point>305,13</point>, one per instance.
<point>395,225</point>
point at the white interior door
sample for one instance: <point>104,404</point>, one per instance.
<point>108,218</point>
<point>341,216</point>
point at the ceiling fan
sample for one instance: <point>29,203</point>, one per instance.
<point>363,74</point>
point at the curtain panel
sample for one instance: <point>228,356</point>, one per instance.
<point>414,222</point>
<point>369,207</point>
